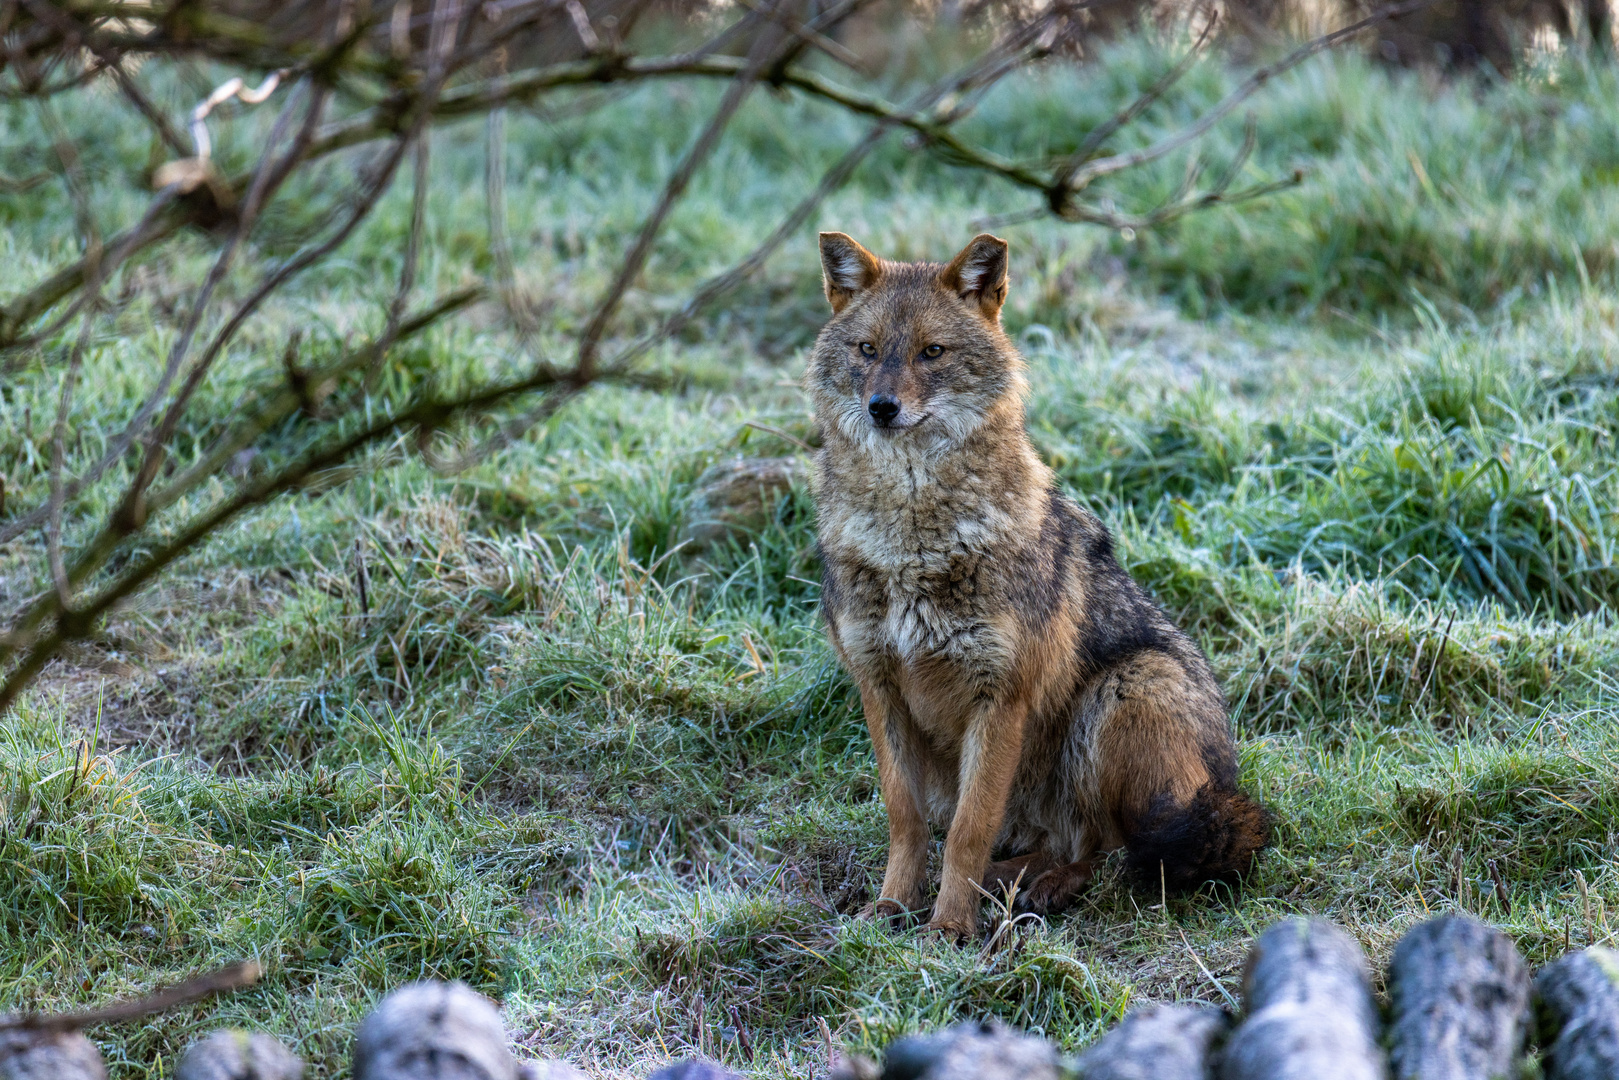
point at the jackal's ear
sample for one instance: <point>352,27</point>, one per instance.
<point>978,274</point>
<point>847,267</point>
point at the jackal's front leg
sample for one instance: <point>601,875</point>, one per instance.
<point>899,772</point>
<point>989,761</point>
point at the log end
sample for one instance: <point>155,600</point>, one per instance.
<point>1312,959</point>
<point>442,1031</point>
<point>1459,997</point>
<point>1161,1042</point>
<point>972,1051</point>
<point>694,1070</point>
<point>1310,1009</point>
<point>32,1055</point>
<point>1577,1010</point>
<point>239,1055</point>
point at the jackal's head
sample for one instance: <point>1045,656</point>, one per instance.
<point>914,351</point>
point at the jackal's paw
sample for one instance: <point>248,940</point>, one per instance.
<point>955,931</point>
<point>886,910</point>
<point>1055,890</point>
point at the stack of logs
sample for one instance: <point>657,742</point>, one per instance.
<point>426,1031</point>
<point>1461,1007</point>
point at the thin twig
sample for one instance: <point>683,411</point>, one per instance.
<point>224,981</point>
<point>67,155</point>
<point>78,623</point>
<point>113,63</point>
<point>500,249</point>
<point>841,53</point>
<point>1119,162</point>
<point>130,508</point>
<point>785,436</point>
<point>765,52</point>
<point>95,552</point>
<point>1110,127</point>
<point>143,104</point>
<point>831,180</point>
<point>53,526</point>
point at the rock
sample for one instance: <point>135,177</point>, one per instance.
<point>694,1070</point>
<point>1578,999</point>
<point>736,497</point>
<point>972,1051</point>
<point>1459,995</point>
<point>1162,1042</point>
<point>239,1055</point>
<point>1310,1009</point>
<point>433,1031</point>
<point>31,1055</point>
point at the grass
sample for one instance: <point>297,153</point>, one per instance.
<point>1359,438</point>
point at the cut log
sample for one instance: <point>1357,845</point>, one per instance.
<point>1309,1006</point>
<point>239,1055</point>
<point>37,1055</point>
<point>1163,1042</point>
<point>1459,995</point>
<point>433,1031</point>
<point>694,1070</point>
<point>549,1070</point>
<point>1578,1000</point>
<point>972,1051</point>
<point>854,1067</point>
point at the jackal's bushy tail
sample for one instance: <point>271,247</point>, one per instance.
<point>1212,838</point>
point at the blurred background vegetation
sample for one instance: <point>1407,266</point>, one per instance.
<point>545,705</point>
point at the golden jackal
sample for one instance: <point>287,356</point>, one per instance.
<point>1019,687</point>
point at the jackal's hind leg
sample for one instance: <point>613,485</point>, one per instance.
<point>1020,870</point>
<point>1056,889</point>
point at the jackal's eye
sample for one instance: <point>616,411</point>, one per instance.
<point>933,352</point>
<point>867,349</point>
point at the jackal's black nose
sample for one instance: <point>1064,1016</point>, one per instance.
<point>883,408</point>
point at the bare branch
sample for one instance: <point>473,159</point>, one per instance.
<point>1106,130</point>
<point>500,250</point>
<point>95,552</point>
<point>843,55</point>
<point>53,528</point>
<point>143,104</point>
<point>1249,86</point>
<point>224,981</point>
<point>765,52</point>
<point>416,95</point>
<point>111,61</point>
<point>78,622</point>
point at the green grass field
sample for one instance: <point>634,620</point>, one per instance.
<point>1359,437</point>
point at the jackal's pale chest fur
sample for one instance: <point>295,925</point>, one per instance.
<point>919,530</point>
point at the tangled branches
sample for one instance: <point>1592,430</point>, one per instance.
<point>363,84</point>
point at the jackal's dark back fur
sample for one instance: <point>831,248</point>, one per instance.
<point>1019,687</point>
